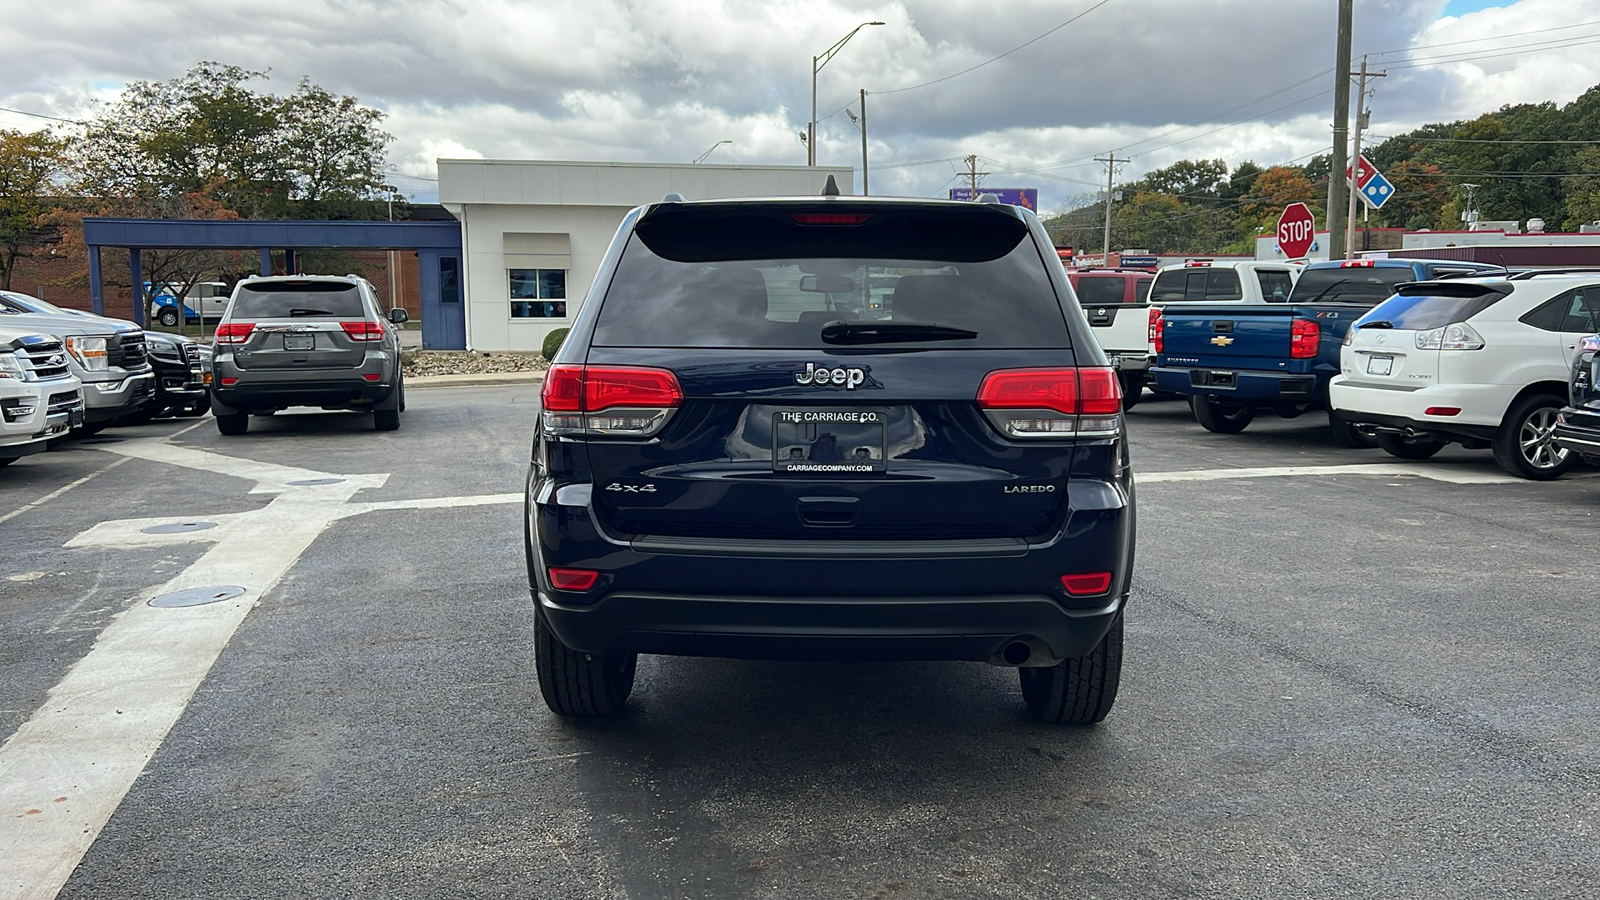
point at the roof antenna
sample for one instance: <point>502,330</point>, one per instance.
<point>831,189</point>
<point>1503,267</point>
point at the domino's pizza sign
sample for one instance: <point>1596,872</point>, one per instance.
<point>1376,191</point>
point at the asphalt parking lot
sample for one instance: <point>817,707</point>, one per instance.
<point>1346,676</point>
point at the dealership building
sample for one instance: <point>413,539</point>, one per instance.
<point>533,232</point>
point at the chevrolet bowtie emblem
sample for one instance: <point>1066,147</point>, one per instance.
<point>1221,340</point>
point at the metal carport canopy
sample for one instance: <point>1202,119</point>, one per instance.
<point>236,234</point>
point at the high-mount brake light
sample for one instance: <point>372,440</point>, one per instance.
<point>830,218</point>
<point>363,331</point>
<point>234,332</point>
<point>1087,584</point>
<point>611,401</point>
<point>1158,329</point>
<point>1053,403</point>
<point>1304,336</point>
<point>1197,264</point>
<point>1357,264</point>
<point>576,580</point>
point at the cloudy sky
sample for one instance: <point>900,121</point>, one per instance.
<point>1035,88</point>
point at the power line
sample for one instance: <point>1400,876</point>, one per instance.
<point>1495,37</point>
<point>23,112</point>
<point>1001,56</point>
<point>1445,140</point>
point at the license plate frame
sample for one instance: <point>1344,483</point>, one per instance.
<point>1373,367</point>
<point>299,342</point>
<point>830,441</point>
<point>75,418</point>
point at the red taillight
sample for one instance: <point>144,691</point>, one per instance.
<point>1442,411</point>
<point>363,331</point>
<point>563,389</point>
<point>1158,329</point>
<point>1304,335</point>
<point>1072,392</point>
<point>575,396</point>
<point>226,380</point>
<point>1087,584</point>
<point>609,386</point>
<point>572,579</point>
<point>830,218</point>
<point>234,332</point>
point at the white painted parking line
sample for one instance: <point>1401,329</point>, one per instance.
<point>1452,474</point>
<point>59,491</point>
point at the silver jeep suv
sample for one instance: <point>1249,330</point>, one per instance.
<point>306,340</point>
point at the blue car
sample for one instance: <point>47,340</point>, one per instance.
<point>831,428</point>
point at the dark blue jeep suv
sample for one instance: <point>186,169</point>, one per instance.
<point>831,428</point>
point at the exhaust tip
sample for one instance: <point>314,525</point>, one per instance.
<point>1016,653</point>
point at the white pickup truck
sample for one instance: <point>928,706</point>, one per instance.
<point>40,398</point>
<point>1117,306</point>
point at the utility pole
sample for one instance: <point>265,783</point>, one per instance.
<point>1111,161</point>
<point>973,173</point>
<point>1338,196</point>
<point>1470,214</point>
<point>865,192</point>
<point>1355,158</point>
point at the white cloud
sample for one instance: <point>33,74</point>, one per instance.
<point>666,79</point>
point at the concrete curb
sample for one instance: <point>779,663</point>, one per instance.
<point>474,379</point>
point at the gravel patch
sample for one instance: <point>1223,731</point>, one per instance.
<point>466,362</point>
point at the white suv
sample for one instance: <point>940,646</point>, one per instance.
<point>1482,362</point>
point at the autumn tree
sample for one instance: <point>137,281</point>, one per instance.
<point>29,166</point>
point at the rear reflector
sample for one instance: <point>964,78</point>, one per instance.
<point>1442,411</point>
<point>363,331</point>
<point>1087,584</point>
<point>830,218</point>
<point>372,376</point>
<point>234,332</point>
<point>226,380</point>
<point>572,579</point>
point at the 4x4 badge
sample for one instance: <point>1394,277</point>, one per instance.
<point>849,377</point>
<point>632,488</point>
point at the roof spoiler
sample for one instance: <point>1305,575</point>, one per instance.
<point>1461,289</point>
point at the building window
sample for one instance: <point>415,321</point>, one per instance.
<point>538,293</point>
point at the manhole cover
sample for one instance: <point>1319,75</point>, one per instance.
<point>197,596</point>
<point>178,527</point>
<point>309,482</point>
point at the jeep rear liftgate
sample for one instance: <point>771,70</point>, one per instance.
<point>825,396</point>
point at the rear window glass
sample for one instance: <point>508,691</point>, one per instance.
<point>1100,290</point>
<point>1354,284</point>
<point>1421,313</point>
<point>1199,283</point>
<point>785,302</point>
<point>298,299</point>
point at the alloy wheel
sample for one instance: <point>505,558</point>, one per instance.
<point>1536,439</point>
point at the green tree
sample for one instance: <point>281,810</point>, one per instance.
<point>29,165</point>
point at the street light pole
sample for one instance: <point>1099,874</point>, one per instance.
<point>817,62</point>
<point>702,157</point>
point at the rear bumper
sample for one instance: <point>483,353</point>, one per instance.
<point>902,628</point>
<point>1579,431</point>
<point>1242,386</point>
<point>833,599</point>
<point>304,387</point>
<point>1482,405</point>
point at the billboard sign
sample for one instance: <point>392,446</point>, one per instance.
<point>1027,198</point>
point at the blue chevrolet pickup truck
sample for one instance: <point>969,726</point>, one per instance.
<point>1236,360</point>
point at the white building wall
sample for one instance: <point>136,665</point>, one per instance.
<point>586,202</point>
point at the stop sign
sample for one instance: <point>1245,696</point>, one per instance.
<point>1296,230</point>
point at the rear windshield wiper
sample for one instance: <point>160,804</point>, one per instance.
<point>300,311</point>
<point>1377,323</point>
<point>1325,290</point>
<point>891,332</point>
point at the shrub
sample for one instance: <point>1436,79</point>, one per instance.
<point>553,341</point>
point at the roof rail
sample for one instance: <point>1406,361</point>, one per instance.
<point>672,197</point>
<point>1574,270</point>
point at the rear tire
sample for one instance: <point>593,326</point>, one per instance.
<point>1347,434</point>
<point>386,419</point>
<point>8,460</point>
<point>580,684</point>
<point>168,317</point>
<point>1216,418</point>
<point>1398,445</point>
<point>1132,389</point>
<point>233,423</point>
<point>1078,691</point>
<point>1524,447</point>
